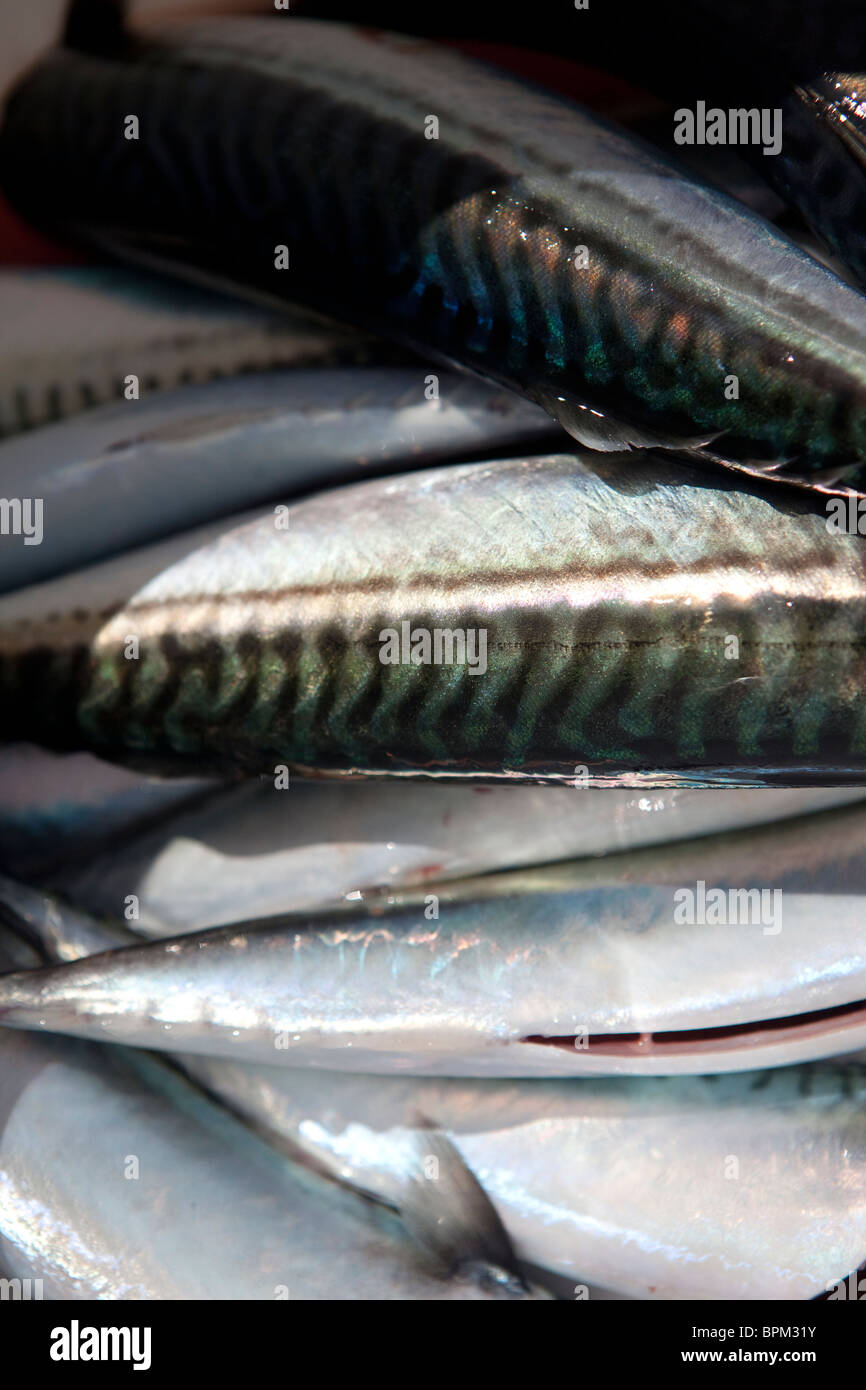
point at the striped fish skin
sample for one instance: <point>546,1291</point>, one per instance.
<point>620,1180</point>
<point>210,1212</point>
<point>466,245</point>
<point>609,592</point>
<point>252,851</point>
<point>160,465</point>
<point>576,969</point>
<point>70,338</point>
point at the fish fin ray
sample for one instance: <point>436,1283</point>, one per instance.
<point>604,433</point>
<point>826,481</point>
<point>447,1211</point>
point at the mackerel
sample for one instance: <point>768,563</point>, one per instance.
<point>255,851</point>
<point>179,458</point>
<point>704,1187</point>
<point>638,627</point>
<point>73,339</point>
<point>590,968</point>
<point>526,239</point>
<point>121,1181</point>
<point>640,1184</point>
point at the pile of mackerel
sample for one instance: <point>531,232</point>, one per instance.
<point>433,800</point>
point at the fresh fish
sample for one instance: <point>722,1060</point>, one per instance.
<point>120,1180</point>
<point>719,1187</point>
<point>444,204</point>
<point>745,1186</point>
<point>620,965</point>
<point>153,467</point>
<point>807,65</point>
<point>56,809</point>
<point>70,338</point>
<point>620,622</point>
<point>253,851</point>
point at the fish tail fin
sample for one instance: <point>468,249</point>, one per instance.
<point>447,1211</point>
<point>95,26</point>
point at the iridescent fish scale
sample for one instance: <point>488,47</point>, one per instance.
<point>609,596</point>
<point>465,245</point>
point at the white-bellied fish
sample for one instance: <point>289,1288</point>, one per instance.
<point>749,1185</point>
<point>120,1180</point>
<point>563,618</point>
<point>177,459</point>
<point>729,953</point>
<point>253,850</point>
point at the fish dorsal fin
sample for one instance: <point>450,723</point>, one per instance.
<point>447,1211</point>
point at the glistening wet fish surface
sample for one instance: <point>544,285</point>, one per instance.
<point>255,851</point>
<point>121,1180</point>
<point>528,240</point>
<point>750,1185</point>
<point>213,1213</point>
<point>719,1187</point>
<point>620,620</point>
<point>179,458</point>
<point>593,967</point>
<point>71,339</point>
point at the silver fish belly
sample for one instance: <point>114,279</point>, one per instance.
<point>639,1184</point>
<point>601,967</point>
<point>120,1180</point>
<point>255,851</point>
<point>179,458</point>
<point>744,1186</point>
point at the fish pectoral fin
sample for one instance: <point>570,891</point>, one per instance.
<point>596,429</point>
<point>830,481</point>
<point>447,1212</point>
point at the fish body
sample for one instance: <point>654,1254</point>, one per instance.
<point>821,168</point>
<point>73,339</point>
<point>596,967</point>
<point>253,851</point>
<point>517,234</point>
<point>618,621</point>
<point>750,1185</point>
<point>121,1180</point>
<point>179,458</point>
<point>625,1181</point>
